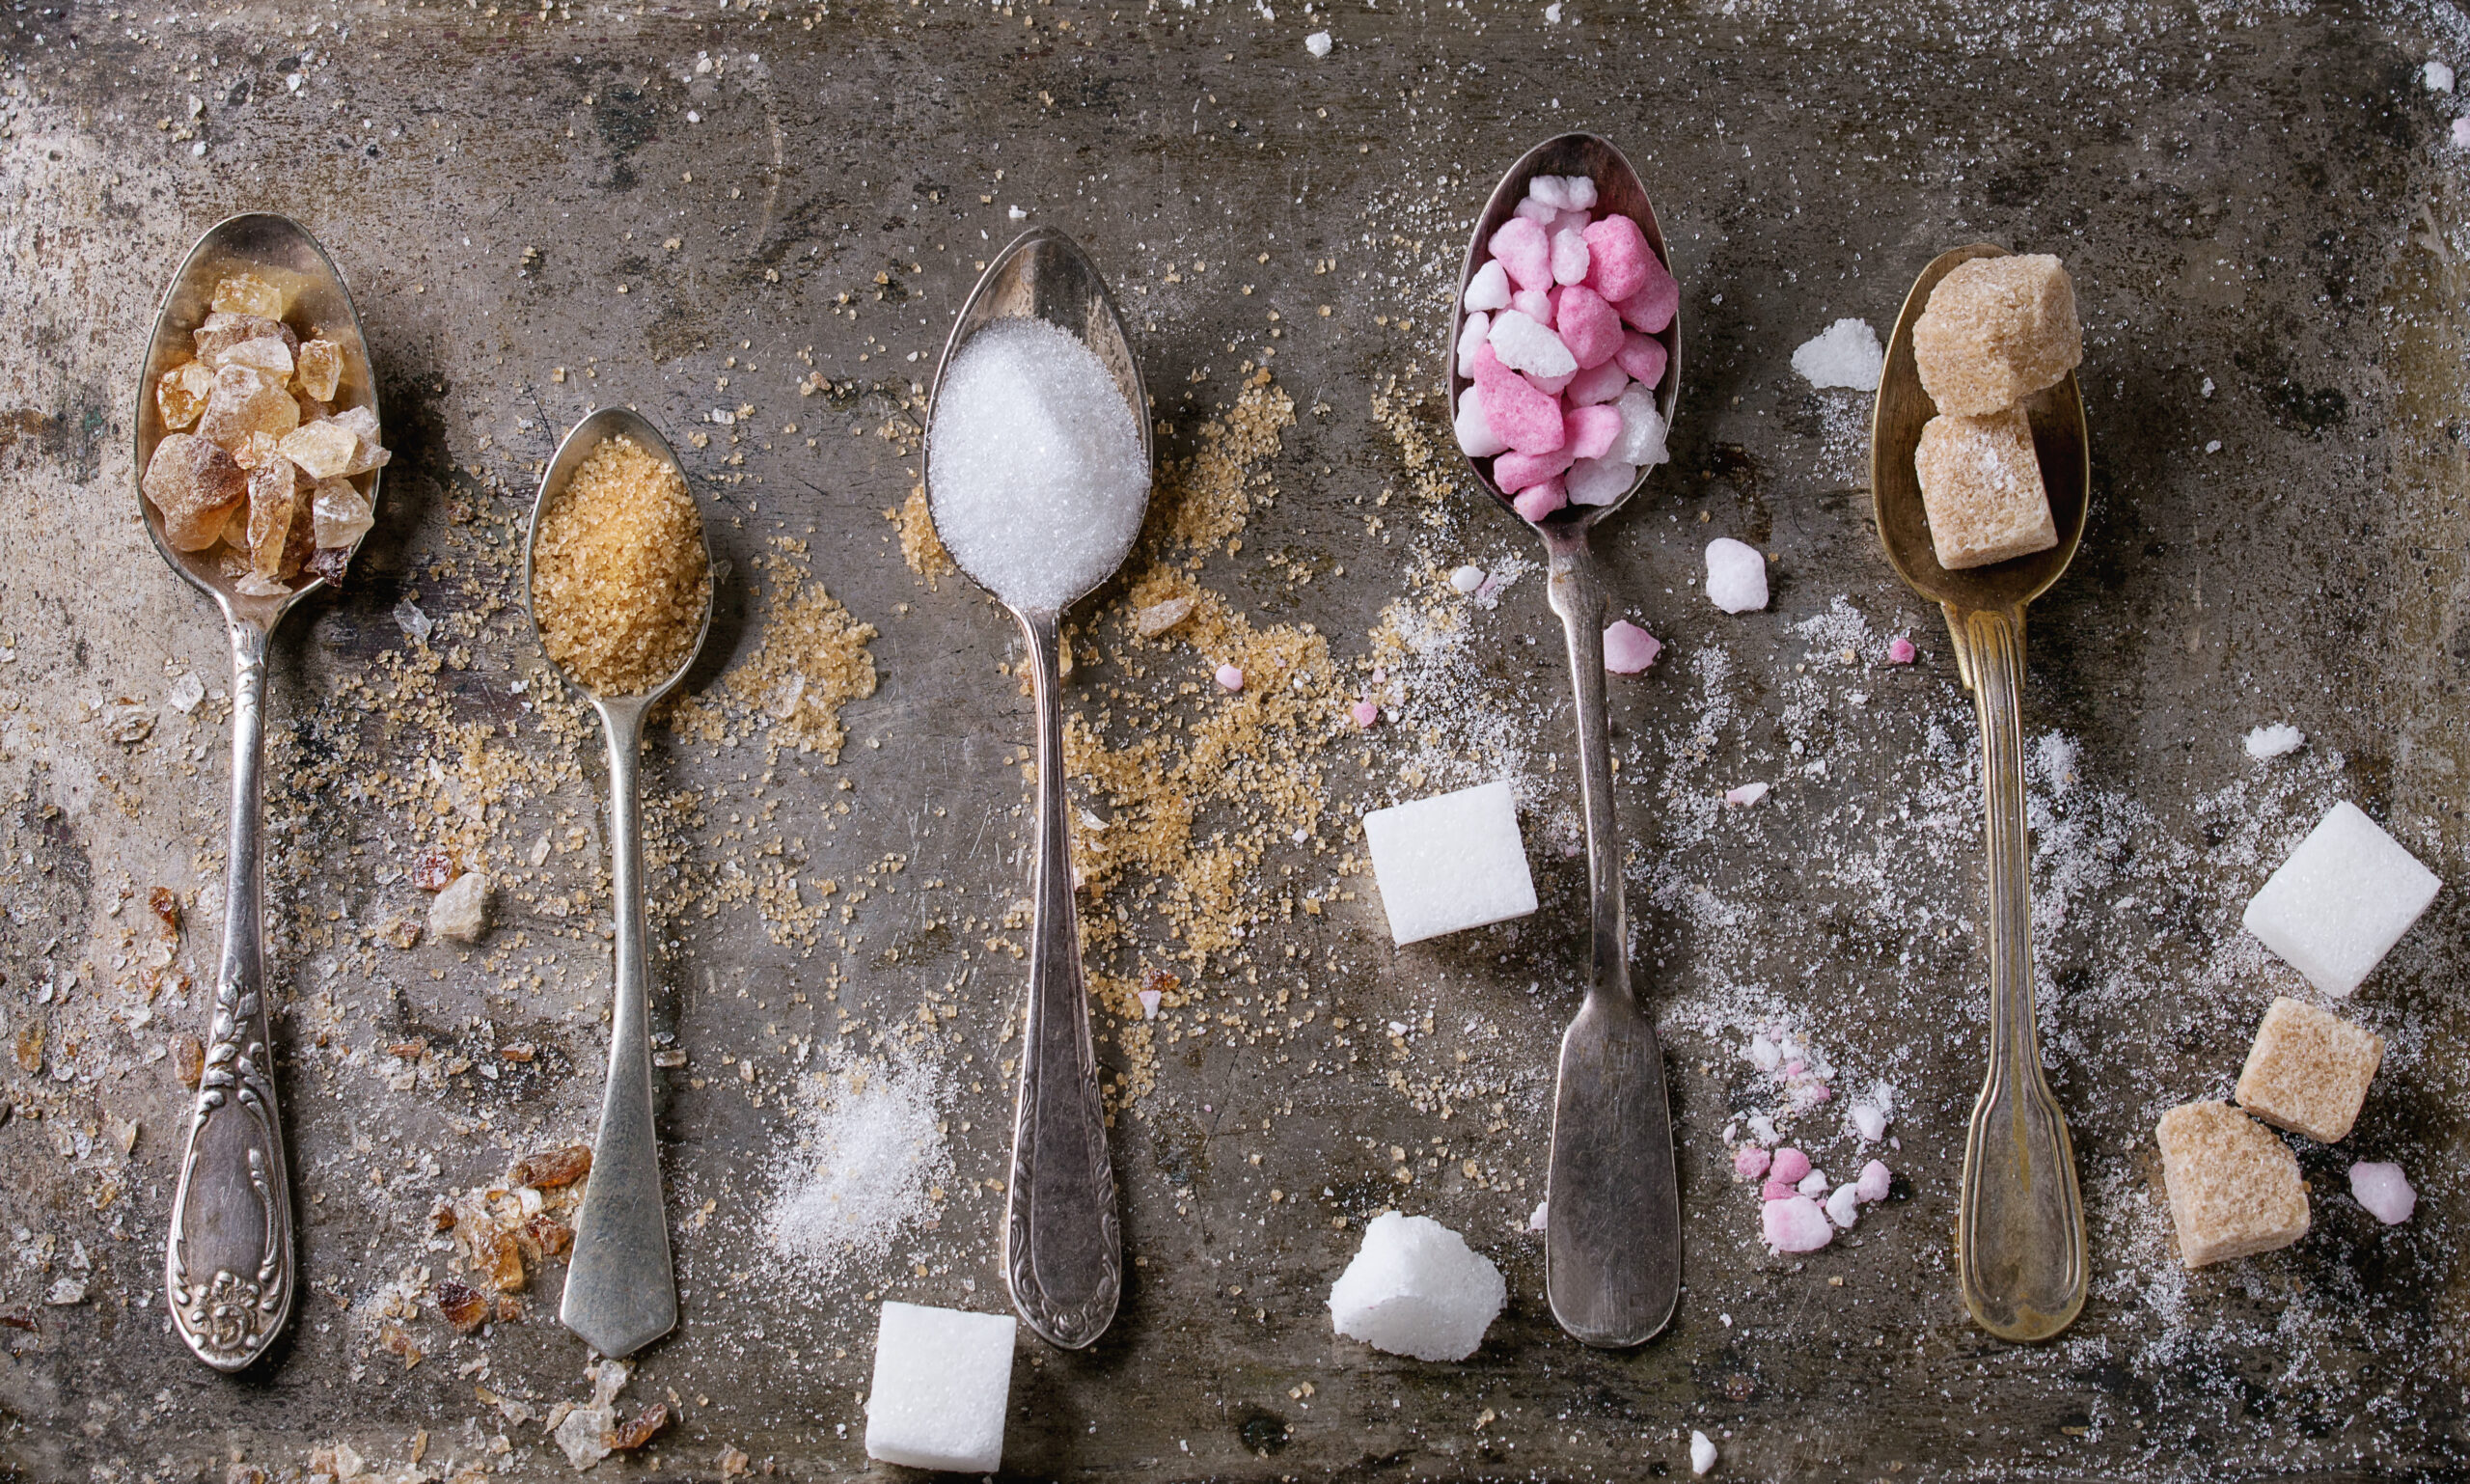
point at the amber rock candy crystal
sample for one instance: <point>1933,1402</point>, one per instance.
<point>196,486</point>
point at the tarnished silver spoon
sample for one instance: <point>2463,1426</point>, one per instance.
<point>621,1293</point>
<point>1063,1242</point>
<point>228,1274</point>
<point>1612,1230</point>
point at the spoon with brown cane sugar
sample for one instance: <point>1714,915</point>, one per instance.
<point>2020,1225</point>
<point>1612,1234</point>
<point>619,578</point>
<point>257,442</point>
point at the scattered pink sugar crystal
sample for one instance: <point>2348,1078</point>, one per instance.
<point>1819,1092</point>
<point>1776,1190</point>
<point>1591,431</point>
<point>1229,678</point>
<point>1148,1004</point>
<point>1814,1185</point>
<point>2461,133</point>
<point>1749,1161</point>
<point>1537,500</point>
<point>1516,470</point>
<point>2384,1191</point>
<point>1629,649</point>
<point>1795,1067</point>
<point>1844,1206</point>
<point>1792,1165</point>
<point>1796,1224</point>
<point>1617,257</point>
<point>1590,328</point>
<point>1873,1182</point>
<point>1745,795</point>
<point>1569,255</point>
<point>1901,651</point>
<point>1363,713</point>
<point>1597,384</point>
<point>1523,251</point>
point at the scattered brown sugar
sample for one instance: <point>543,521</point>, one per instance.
<point>1216,487</point>
<point>920,546</point>
<point>2308,1071</point>
<point>812,661</point>
<point>2233,1187</point>
<point>619,580</point>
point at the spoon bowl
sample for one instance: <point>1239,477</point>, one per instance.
<point>1618,189</point>
<point>621,1292</point>
<point>283,252</point>
<point>2019,1223</point>
<point>229,1264</point>
<point>1613,1248</point>
<point>1064,1241</point>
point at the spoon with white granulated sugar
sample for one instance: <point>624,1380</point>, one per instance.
<point>1037,474</point>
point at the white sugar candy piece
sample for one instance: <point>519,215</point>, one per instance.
<point>1702,1453</point>
<point>1471,339</point>
<point>943,1380</point>
<point>1489,288</point>
<point>1475,430</point>
<point>1317,43</point>
<point>1642,429</point>
<point>1449,863</point>
<point>2384,1191</point>
<point>1415,1288</point>
<point>2341,901</point>
<point>1844,354</point>
<point>1526,345</point>
<point>2277,740</point>
<point>1736,576</point>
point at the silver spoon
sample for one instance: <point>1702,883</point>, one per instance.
<point>1612,1231</point>
<point>620,1292</point>
<point>2019,1223</point>
<point>227,1271</point>
<point>1062,1243</point>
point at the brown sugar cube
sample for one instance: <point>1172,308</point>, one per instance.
<point>2233,1187</point>
<point>1981,487</point>
<point>2308,1071</point>
<point>1995,331</point>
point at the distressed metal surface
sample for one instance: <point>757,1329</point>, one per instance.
<point>2264,202</point>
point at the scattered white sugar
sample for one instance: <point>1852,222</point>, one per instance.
<point>1844,354</point>
<point>1745,795</point>
<point>1415,1288</point>
<point>186,692</point>
<point>1702,1448</point>
<point>2461,133</point>
<point>1537,1217</point>
<point>943,1384</point>
<point>2341,901</point>
<point>1736,576</point>
<point>1466,579</point>
<point>1814,1185</point>
<point>1449,863</point>
<point>2278,740</point>
<point>865,1160</point>
<point>1017,214</point>
<point>2384,1191</point>
<point>414,623</point>
<point>1844,1207</point>
<point>1869,1122</point>
<point>2438,76</point>
<point>1317,43</point>
<point>1038,477</point>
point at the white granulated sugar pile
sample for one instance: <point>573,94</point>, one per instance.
<point>1844,354</point>
<point>1037,477</point>
<point>867,1162</point>
<point>2278,740</point>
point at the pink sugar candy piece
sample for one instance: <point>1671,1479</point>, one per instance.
<point>1776,1190</point>
<point>1591,328</point>
<point>1749,1161</point>
<point>1569,254</point>
<point>1535,304</point>
<point>1629,649</point>
<point>1597,384</point>
<point>1528,420</point>
<point>1820,1092</point>
<point>1472,335</point>
<point>1591,431</point>
<point>2461,133</point>
<point>2384,1191</point>
<point>1656,300</point>
<point>1543,214</point>
<point>1537,500</point>
<point>1550,386</point>
<point>1475,435</point>
<point>1568,221</point>
<point>1514,471</point>
<point>1617,258</point>
<point>1797,1225</point>
<point>1795,1067</point>
<point>1901,651</point>
<point>1642,356</point>
<point>1363,713</point>
<point>1229,678</point>
<point>1792,1165</point>
<point>1523,251</point>
<point>1873,1182</point>
<point>1814,1185</point>
<point>1149,999</point>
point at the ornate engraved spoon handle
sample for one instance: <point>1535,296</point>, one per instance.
<point>227,1271</point>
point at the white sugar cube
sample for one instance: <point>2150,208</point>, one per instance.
<point>2341,901</point>
<point>1736,576</point>
<point>1415,1288</point>
<point>1450,863</point>
<point>943,1380</point>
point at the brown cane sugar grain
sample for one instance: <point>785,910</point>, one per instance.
<point>619,580</point>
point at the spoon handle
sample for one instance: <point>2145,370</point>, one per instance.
<point>228,1267</point>
<point>1612,1227</point>
<point>1064,1249</point>
<point>2019,1227</point>
<point>620,1292</point>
